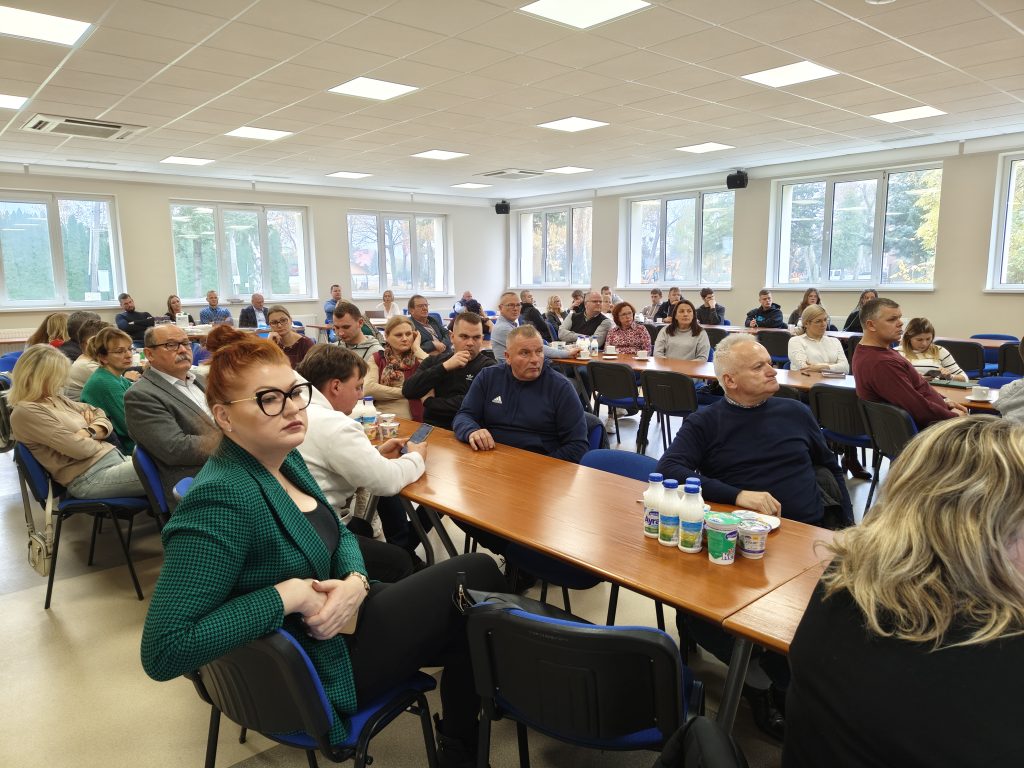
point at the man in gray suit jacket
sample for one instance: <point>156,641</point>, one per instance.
<point>166,409</point>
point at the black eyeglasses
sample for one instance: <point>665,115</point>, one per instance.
<point>272,401</point>
<point>171,346</point>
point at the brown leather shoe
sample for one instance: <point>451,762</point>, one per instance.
<point>853,466</point>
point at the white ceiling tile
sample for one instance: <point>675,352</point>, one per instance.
<point>162,20</point>
<point>460,55</point>
<point>726,89</point>
<point>774,24</point>
<point>32,52</point>
<point>347,61</point>
<point>152,106</point>
<point>516,32</point>
<point>444,18</point>
<point>306,18</point>
<point>978,32</point>
<point>720,13</point>
<point>814,46</point>
<point>22,71</point>
<point>227,62</point>
<point>473,86</point>
<point>708,44</point>
<point>746,62</point>
<point>246,38</point>
<point>523,70</point>
<point>413,73</point>
<point>651,27</point>
<point>581,50</point>
<point>857,60</point>
<point>903,20</point>
<point>68,78</point>
<point>996,70</point>
<point>386,37</point>
<point>626,93</point>
<point>577,82</point>
<point>636,65</point>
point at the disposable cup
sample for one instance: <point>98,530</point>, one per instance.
<point>979,392</point>
<point>722,533</point>
<point>641,354</point>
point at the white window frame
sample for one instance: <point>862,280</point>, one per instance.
<point>1000,233</point>
<point>881,177</point>
<point>698,240</point>
<point>225,288</point>
<point>51,200</point>
<point>567,209</point>
<point>382,271</point>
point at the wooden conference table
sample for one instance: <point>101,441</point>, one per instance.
<point>984,343</point>
<point>593,520</point>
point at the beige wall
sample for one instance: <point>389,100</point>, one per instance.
<point>480,242</point>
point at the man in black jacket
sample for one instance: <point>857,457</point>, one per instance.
<point>131,322</point>
<point>765,314</point>
<point>530,314</point>
<point>451,374</point>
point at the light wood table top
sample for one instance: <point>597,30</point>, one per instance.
<point>695,369</point>
<point>593,519</point>
<point>959,396</point>
<point>772,620</point>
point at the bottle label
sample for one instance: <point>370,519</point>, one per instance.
<point>690,533</point>
<point>668,529</point>
<point>651,522</point>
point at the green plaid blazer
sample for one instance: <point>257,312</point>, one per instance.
<point>235,535</point>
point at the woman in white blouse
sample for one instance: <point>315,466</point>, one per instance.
<point>388,305</point>
<point>811,349</point>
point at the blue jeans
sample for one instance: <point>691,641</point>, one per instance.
<point>113,475</point>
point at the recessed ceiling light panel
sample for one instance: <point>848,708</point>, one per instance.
<point>707,146</point>
<point>348,175</point>
<point>470,185</point>
<point>567,169</point>
<point>902,115</point>
<point>39,26</point>
<point>368,88</point>
<point>791,74</point>
<point>263,134</point>
<point>439,154</point>
<point>572,124</point>
<point>176,160</point>
<point>583,14</point>
<point>11,102</point>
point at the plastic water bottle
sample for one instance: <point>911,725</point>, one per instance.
<point>595,349</point>
<point>584,346</point>
<point>357,413</point>
<point>369,417</point>
<point>652,503</point>
<point>691,519</point>
<point>668,515</point>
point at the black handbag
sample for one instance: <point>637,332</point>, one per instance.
<point>471,600</point>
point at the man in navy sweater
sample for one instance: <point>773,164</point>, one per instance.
<point>765,314</point>
<point>762,453</point>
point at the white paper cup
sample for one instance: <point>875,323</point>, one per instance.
<point>980,393</point>
<point>609,349</point>
<point>641,354</point>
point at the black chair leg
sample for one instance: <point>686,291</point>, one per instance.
<point>242,734</point>
<point>92,542</point>
<point>312,763</point>
<point>127,555</point>
<point>211,737</point>
<point>613,604</point>
<point>53,561</point>
<point>659,611</point>
<point>483,742</point>
<point>543,591</point>
<point>524,747</point>
<point>565,599</point>
<point>423,710</point>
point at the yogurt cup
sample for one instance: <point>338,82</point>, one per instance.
<point>722,532</point>
<point>753,538</point>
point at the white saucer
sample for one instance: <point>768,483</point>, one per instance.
<point>610,357</point>
<point>979,399</point>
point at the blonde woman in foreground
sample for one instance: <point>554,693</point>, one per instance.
<point>908,651</point>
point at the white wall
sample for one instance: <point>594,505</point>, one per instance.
<point>480,246</point>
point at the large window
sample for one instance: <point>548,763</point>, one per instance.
<point>57,250</point>
<point>401,251</point>
<point>1008,261</point>
<point>555,246</point>
<point>238,250</point>
<point>866,229</point>
<point>685,240</point>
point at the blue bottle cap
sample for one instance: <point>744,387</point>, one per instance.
<point>693,481</point>
<point>670,483</point>
<point>690,488</point>
<point>655,477</point>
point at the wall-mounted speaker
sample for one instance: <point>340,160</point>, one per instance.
<point>502,207</point>
<point>736,180</point>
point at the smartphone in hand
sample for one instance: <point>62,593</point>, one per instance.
<point>418,436</point>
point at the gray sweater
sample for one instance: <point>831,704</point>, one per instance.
<point>683,346</point>
<point>1011,401</point>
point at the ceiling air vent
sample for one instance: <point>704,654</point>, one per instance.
<point>81,128</point>
<point>511,174</point>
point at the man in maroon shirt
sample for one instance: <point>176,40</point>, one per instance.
<point>883,375</point>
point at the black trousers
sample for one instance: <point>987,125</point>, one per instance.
<point>384,562</point>
<point>413,624</point>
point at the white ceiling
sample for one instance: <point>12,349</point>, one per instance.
<point>487,74</point>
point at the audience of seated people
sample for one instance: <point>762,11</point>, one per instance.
<point>434,338</point>
<point>590,322</point>
<point>84,366</point>
<point>810,349</point>
<point>555,314</point>
<point>388,305</point>
<point>853,320</point>
<point>683,339</point>
<point>70,348</point>
<point>462,304</point>
<point>651,309</point>
<point>68,438</point>
<point>509,317</point>
<point>348,325</point>
<point>112,349</point>
<point>389,367</point>
<point>530,314</point>
<point>883,375</point>
<point>927,357</point>
<point>472,306</point>
<point>667,308</point>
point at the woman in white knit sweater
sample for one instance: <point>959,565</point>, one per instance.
<point>811,349</point>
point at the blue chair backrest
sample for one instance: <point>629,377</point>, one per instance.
<point>155,489</point>
<point>992,355</point>
<point>8,360</point>
<point>995,382</point>
<point>624,463</point>
<point>35,475</point>
<point>298,325</point>
<point>436,316</point>
<point>181,487</point>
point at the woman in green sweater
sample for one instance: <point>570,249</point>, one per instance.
<point>112,349</point>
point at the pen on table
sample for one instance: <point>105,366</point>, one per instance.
<point>804,373</point>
